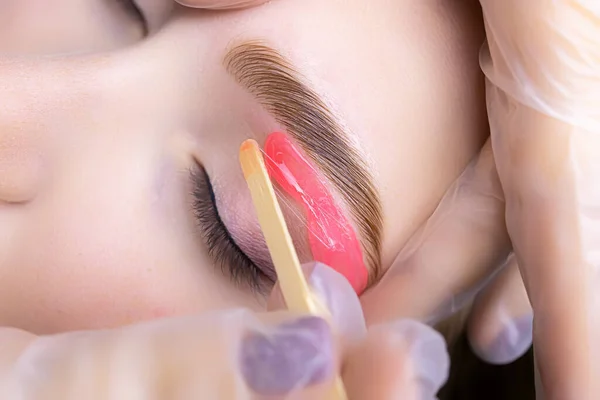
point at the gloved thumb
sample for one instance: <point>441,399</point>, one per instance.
<point>335,293</point>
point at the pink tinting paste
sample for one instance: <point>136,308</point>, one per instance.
<point>331,237</point>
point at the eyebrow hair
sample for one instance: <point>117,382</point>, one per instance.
<point>281,90</point>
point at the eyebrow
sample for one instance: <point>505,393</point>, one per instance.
<point>282,91</point>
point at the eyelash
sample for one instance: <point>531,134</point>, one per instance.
<point>132,8</point>
<point>222,248</point>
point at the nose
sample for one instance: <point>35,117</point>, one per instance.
<point>39,97</point>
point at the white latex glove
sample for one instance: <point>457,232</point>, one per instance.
<point>456,252</point>
<point>542,63</point>
<point>543,70</point>
<point>462,248</point>
<point>230,355</point>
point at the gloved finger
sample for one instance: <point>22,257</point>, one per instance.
<point>451,256</point>
<point>336,294</point>
<point>226,355</point>
<point>220,4</point>
<point>401,360</point>
<point>543,68</point>
<point>500,326</point>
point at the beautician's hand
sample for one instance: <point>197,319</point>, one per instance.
<point>231,355</point>
<point>543,70</point>
<point>220,4</point>
<point>462,248</point>
<point>452,256</point>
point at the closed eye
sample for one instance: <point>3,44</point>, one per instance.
<point>222,247</point>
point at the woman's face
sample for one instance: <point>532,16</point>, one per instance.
<point>118,157</point>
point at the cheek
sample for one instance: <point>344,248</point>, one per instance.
<point>87,257</point>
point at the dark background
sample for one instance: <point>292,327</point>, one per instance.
<point>471,379</point>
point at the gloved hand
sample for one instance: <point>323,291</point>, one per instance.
<point>462,255</point>
<point>456,252</point>
<point>543,68</point>
<point>542,62</point>
<point>232,354</point>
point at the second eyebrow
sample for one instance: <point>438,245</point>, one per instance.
<point>280,89</point>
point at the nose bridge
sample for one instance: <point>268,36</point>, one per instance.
<point>45,98</point>
<point>41,102</point>
<point>167,82</point>
<point>49,106</point>
<point>25,90</point>
<point>172,65</point>
<point>35,92</point>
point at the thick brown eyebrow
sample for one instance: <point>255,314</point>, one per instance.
<point>282,91</point>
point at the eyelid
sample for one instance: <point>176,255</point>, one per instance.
<point>222,247</point>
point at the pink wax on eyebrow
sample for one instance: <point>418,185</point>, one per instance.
<point>331,237</point>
